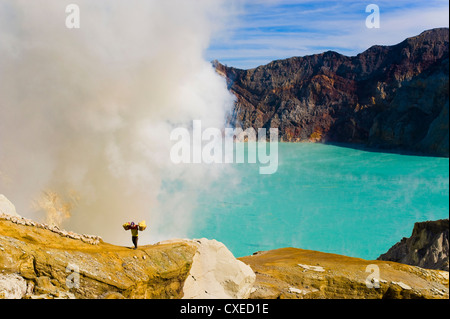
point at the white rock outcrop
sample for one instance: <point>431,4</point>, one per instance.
<point>6,207</point>
<point>216,273</point>
<point>313,268</point>
<point>12,286</point>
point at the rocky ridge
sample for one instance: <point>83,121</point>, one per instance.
<point>291,273</point>
<point>390,97</point>
<point>40,262</point>
<point>428,246</point>
<point>6,207</point>
<point>90,239</point>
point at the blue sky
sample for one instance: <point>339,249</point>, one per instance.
<point>260,31</point>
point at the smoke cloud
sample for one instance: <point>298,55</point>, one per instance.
<point>86,114</point>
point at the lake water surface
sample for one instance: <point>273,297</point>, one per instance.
<point>326,198</point>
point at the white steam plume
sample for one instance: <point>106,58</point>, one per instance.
<point>88,112</point>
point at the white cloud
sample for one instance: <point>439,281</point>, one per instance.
<point>269,31</point>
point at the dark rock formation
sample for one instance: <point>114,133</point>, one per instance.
<point>427,247</point>
<point>386,97</point>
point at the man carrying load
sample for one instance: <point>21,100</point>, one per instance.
<point>135,228</point>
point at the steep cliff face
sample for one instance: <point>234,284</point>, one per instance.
<point>427,247</point>
<point>388,96</point>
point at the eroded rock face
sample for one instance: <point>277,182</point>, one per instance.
<point>386,97</point>
<point>428,246</point>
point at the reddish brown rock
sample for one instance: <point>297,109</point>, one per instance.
<point>386,97</point>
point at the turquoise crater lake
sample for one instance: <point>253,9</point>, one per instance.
<point>326,198</point>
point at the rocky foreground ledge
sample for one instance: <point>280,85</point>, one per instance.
<point>36,262</point>
<point>428,246</point>
<point>304,274</point>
